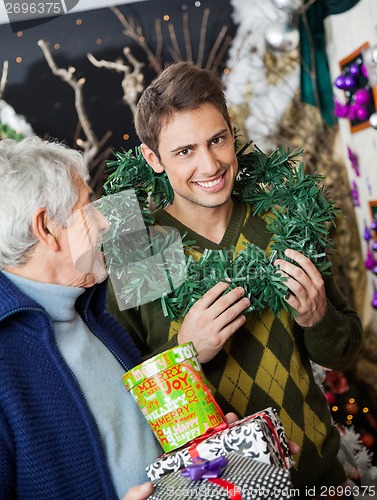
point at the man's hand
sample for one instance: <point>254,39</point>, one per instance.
<point>141,492</point>
<point>307,297</point>
<point>213,319</point>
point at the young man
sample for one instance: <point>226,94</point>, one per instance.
<point>252,361</point>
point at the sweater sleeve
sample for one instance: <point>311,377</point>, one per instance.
<point>7,461</point>
<point>335,341</point>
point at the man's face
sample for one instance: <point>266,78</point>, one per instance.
<point>197,152</point>
<point>84,232</point>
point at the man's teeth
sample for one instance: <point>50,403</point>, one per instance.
<point>210,184</point>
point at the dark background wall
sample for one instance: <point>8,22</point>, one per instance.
<point>48,103</point>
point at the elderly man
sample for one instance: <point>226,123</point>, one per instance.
<point>68,427</point>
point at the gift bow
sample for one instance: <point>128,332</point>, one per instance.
<point>205,469</point>
<point>208,433</point>
<point>211,470</point>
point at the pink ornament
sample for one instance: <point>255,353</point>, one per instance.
<point>374,300</point>
<point>362,97</point>
<point>362,114</point>
<point>352,110</point>
<point>330,398</point>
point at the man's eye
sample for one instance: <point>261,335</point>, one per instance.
<point>216,140</point>
<point>184,152</point>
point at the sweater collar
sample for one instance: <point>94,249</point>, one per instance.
<point>13,298</point>
<point>59,301</point>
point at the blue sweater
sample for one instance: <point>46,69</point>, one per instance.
<point>49,442</point>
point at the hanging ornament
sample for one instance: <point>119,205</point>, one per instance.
<point>362,97</point>
<point>367,233</point>
<point>288,5</point>
<point>370,261</point>
<point>282,36</point>
<point>355,194</point>
<point>374,300</point>
<point>340,110</point>
<point>354,161</point>
<point>373,120</point>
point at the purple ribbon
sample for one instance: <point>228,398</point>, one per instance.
<point>205,469</point>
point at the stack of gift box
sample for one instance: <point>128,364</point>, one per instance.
<point>247,459</point>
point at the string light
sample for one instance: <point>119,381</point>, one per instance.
<point>126,137</point>
<point>166,18</point>
<point>335,408</point>
<point>18,59</point>
<point>19,34</point>
<point>365,410</point>
<point>57,46</point>
<point>79,22</point>
<point>99,41</point>
<point>226,71</point>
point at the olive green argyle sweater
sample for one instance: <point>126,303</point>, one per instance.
<point>267,361</point>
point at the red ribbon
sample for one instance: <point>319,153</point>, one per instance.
<point>232,490</point>
<point>208,433</point>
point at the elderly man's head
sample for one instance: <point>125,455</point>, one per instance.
<point>45,209</point>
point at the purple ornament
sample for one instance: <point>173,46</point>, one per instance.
<point>367,234</point>
<point>374,300</point>
<point>340,82</point>
<point>373,225</point>
<point>354,161</point>
<point>349,82</point>
<point>355,69</point>
<point>362,97</point>
<point>370,262</point>
<point>355,194</point>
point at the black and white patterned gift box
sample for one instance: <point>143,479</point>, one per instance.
<point>260,436</point>
<point>244,478</point>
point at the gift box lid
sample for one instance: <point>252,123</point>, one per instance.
<point>243,478</point>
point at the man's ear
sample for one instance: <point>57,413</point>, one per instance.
<point>151,159</point>
<point>45,229</point>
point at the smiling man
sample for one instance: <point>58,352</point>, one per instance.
<point>260,360</point>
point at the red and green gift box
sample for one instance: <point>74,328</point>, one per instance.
<point>259,436</point>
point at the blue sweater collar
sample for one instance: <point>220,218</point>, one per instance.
<point>13,299</point>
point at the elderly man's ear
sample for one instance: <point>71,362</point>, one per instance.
<point>46,230</point>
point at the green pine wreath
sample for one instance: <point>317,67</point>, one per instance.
<point>299,215</point>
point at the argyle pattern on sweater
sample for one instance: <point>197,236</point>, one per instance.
<point>265,363</point>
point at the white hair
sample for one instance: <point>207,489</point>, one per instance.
<point>34,173</point>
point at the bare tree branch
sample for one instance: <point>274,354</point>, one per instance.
<point>186,36</point>
<point>215,47</point>
<point>91,144</point>
<point>202,39</point>
<point>135,33</point>
<point>4,77</point>
<point>132,82</point>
